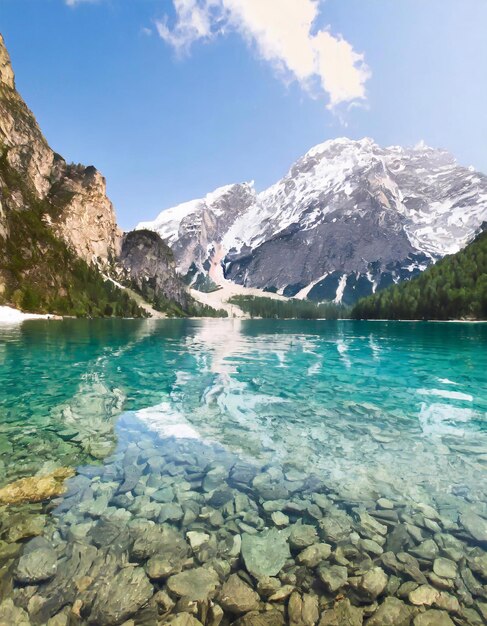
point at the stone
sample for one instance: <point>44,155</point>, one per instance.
<point>196,584</point>
<point>197,539</point>
<point>220,497</point>
<point>36,566</point>
<point>333,576</point>
<point>371,584</point>
<point>238,597</point>
<point>270,618</point>
<point>370,546</point>
<point>424,595</point>
<point>164,496</point>
<point>371,525</point>
<point>36,488</point>
<point>314,555</point>
<point>11,615</point>
<point>303,611</point>
<point>302,536</point>
<point>267,586</point>
<point>265,553</point>
<point>444,568</point>
<point>477,560</point>
<point>342,614</point>
<point>335,528</point>
<point>475,525</point>
<point>214,478</point>
<point>280,519</point>
<point>171,512</point>
<point>427,550</point>
<point>121,596</point>
<point>281,594</point>
<point>392,612</point>
<point>23,526</point>
<point>149,539</point>
<point>159,567</point>
<point>183,619</point>
<point>384,503</point>
<point>447,602</point>
<point>433,618</point>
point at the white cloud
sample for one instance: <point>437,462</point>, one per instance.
<point>282,32</point>
<point>73,3</point>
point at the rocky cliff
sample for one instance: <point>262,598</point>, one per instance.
<point>82,214</point>
<point>147,264</point>
<point>348,219</point>
<point>58,232</point>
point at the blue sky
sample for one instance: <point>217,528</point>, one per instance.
<point>170,112</point>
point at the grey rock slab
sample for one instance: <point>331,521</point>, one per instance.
<point>121,596</point>
<point>11,615</point>
<point>302,536</point>
<point>220,496</point>
<point>475,525</point>
<point>477,560</point>
<point>371,584</point>
<point>196,584</point>
<point>342,614</point>
<point>333,576</point>
<point>164,495</point>
<point>280,519</point>
<point>265,553</point>
<point>433,618</point>
<point>444,568</point>
<point>428,550</point>
<point>37,566</point>
<point>238,597</point>
<point>424,595</point>
<point>183,619</point>
<point>314,555</point>
<point>254,618</point>
<point>336,527</point>
<point>392,612</point>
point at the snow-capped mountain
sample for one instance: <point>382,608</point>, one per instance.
<point>348,218</point>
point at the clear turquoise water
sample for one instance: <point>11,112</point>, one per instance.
<point>403,404</point>
<point>177,427</point>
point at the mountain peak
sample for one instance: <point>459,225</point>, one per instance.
<point>7,76</point>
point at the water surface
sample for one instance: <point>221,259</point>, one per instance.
<point>350,411</point>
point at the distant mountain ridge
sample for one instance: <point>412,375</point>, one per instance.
<point>348,219</point>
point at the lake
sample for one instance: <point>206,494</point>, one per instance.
<point>207,447</point>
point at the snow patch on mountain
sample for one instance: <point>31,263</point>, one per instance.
<point>347,219</point>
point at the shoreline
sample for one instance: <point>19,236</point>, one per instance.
<point>11,315</point>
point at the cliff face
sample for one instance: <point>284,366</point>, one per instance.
<point>58,231</point>
<point>57,227</point>
<point>147,264</point>
<point>79,212</point>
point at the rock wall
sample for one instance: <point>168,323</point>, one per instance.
<point>84,217</point>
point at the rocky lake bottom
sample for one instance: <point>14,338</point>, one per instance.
<point>254,473</point>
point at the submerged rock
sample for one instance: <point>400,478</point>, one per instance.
<point>475,526</point>
<point>333,576</point>
<point>36,488</point>
<point>392,612</point>
<point>194,584</point>
<point>121,596</point>
<point>342,614</point>
<point>238,597</point>
<point>11,615</point>
<point>433,618</point>
<point>37,566</point>
<point>265,553</point>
